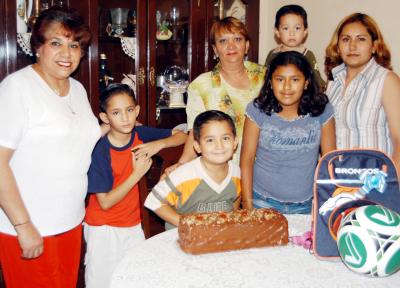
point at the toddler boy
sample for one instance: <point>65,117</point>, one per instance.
<point>291,30</point>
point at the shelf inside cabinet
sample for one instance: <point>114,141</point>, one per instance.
<point>111,39</point>
<point>128,44</point>
<point>170,117</point>
<point>163,107</point>
<point>171,42</point>
<point>120,55</point>
<point>120,50</point>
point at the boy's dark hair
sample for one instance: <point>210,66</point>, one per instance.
<point>114,89</point>
<point>291,9</point>
<point>208,116</point>
<point>312,101</point>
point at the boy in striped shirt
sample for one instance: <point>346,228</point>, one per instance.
<point>209,183</point>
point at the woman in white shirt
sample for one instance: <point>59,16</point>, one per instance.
<point>47,135</point>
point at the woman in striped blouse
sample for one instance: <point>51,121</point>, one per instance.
<point>364,91</point>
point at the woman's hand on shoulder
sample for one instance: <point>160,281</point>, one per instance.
<point>188,154</point>
<point>170,169</point>
<point>104,128</point>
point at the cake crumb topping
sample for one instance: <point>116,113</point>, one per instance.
<point>236,216</point>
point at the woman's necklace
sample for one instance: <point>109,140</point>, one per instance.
<point>68,100</point>
<point>61,88</point>
<point>237,79</point>
<point>62,92</point>
<point>57,91</point>
<point>234,73</point>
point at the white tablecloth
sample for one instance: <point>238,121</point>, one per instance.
<point>159,262</point>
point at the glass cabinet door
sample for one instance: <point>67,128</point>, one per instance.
<point>121,38</point>
<point>241,9</point>
<point>116,40</point>
<point>116,43</point>
<point>234,8</point>
<point>169,61</point>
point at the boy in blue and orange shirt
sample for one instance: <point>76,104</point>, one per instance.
<point>112,222</point>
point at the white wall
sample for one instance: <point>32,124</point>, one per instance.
<point>323,17</point>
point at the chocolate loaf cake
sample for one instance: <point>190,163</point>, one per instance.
<point>239,229</point>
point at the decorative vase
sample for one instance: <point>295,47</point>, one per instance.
<point>35,11</point>
<point>23,10</point>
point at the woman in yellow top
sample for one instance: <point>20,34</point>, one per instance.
<point>230,86</point>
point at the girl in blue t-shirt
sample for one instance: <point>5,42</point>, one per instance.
<point>286,128</point>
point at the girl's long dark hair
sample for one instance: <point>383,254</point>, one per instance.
<point>312,101</point>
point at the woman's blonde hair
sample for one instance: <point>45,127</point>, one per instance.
<point>381,55</point>
<point>228,24</point>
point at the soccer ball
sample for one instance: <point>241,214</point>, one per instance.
<point>368,240</point>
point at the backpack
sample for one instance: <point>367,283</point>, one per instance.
<point>344,180</point>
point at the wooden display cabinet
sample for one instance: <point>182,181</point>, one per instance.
<point>118,62</point>
<point>188,47</point>
<point>187,22</point>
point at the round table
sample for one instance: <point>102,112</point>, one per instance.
<point>159,262</point>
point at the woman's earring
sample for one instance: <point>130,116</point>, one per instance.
<point>215,57</point>
<point>37,55</point>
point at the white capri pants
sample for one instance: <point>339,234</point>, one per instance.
<point>105,247</point>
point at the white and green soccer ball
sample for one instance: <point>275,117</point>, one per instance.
<point>368,240</point>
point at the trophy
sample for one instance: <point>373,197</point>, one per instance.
<point>119,21</point>
<point>176,83</point>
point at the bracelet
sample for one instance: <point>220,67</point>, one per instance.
<point>22,223</point>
